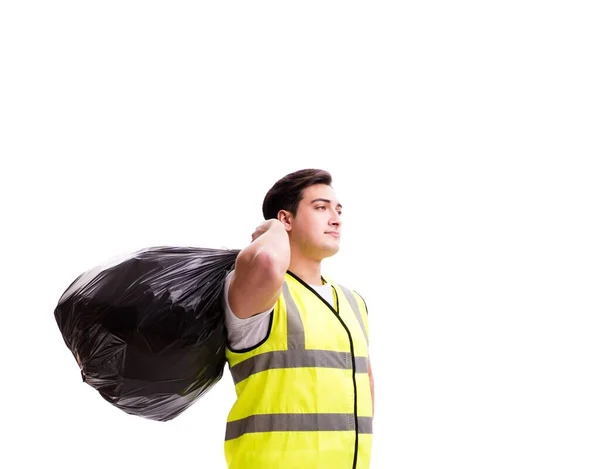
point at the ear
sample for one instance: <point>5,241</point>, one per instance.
<point>285,217</point>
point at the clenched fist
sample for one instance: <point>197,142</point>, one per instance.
<point>266,226</point>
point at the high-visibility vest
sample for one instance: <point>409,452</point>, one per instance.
<point>303,393</point>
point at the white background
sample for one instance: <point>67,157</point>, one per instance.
<point>462,138</point>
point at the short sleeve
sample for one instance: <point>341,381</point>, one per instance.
<point>244,333</point>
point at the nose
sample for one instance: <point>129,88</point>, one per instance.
<point>336,220</point>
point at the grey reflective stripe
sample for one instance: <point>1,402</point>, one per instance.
<point>362,364</point>
<point>295,330</point>
<point>296,356</point>
<point>296,359</point>
<point>356,309</point>
<point>365,424</point>
<point>296,422</point>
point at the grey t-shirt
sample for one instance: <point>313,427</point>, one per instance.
<point>246,333</point>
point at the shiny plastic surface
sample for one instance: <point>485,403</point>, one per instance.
<point>148,331</point>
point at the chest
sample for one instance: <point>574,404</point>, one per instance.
<point>325,325</point>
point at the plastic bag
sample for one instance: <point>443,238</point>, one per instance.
<point>148,331</point>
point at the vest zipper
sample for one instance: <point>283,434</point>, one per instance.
<point>337,314</point>
<point>353,380</point>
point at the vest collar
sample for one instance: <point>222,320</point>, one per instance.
<point>336,300</point>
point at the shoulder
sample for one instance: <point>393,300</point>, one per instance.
<point>244,334</point>
<point>361,300</point>
<point>349,290</point>
<point>231,319</point>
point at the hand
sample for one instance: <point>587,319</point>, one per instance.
<point>264,227</point>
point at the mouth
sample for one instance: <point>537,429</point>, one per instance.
<point>335,234</point>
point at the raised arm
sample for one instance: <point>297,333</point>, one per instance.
<point>260,270</point>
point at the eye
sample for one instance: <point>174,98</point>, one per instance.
<point>320,206</point>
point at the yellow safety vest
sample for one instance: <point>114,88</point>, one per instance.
<point>303,393</point>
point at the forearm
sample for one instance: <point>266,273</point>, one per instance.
<point>259,271</point>
<point>272,247</point>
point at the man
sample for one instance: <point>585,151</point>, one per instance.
<point>297,342</point>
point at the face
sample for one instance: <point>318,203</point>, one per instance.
<point>315,230</point>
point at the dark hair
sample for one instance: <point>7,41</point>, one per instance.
<point>287,193</point>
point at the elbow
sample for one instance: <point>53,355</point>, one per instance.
<point>270,265</point>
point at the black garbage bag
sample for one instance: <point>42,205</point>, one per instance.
<point>148,331</point>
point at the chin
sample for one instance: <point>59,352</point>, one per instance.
<point>329,251</point>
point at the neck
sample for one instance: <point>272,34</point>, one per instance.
<point>308,270</point>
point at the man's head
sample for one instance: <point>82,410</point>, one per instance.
<point>306,204</point>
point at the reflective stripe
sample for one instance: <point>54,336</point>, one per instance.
<point>356,309</point>
<point>296,359</point>
<point>365,425</point>
<point>295,330</point>
<point>296,423</point>
<point>296,356</point>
